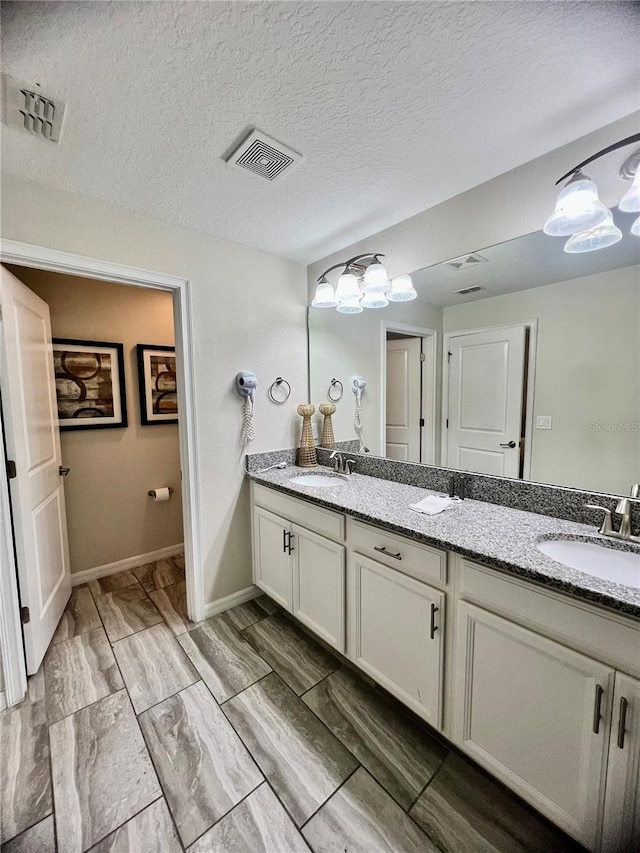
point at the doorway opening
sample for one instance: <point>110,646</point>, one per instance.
<point>409,389</point>
<point>160,454</point>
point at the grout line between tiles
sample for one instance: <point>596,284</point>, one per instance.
<point>332,794</point>
<point>437,770</point>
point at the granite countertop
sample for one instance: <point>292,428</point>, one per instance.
<point>498,536</point>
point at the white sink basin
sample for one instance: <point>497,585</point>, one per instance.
<point>321,480</point>
<point>595,559</point>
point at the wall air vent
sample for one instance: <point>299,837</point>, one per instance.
<point>465,262</point>
<point>263,156</point>
<point>26,107</point>
<point>473,289</point>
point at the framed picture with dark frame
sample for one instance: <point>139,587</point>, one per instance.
<point>157,381</point>
<point>89,384</point>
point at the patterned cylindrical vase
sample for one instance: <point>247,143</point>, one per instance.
<point>307,457</point>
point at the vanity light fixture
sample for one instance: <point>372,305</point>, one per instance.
<point>363,283</point>
<point>580,215</point>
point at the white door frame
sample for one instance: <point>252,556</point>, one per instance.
<point>40,257</point>
<point>532,326</point>
<point>429,384</point>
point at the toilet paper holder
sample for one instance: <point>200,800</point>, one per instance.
<point>152,492</point>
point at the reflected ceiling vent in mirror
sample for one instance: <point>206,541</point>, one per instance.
<point>465,262</point>
<point>465,290</point>
<point>262,156</point>
<point>26,107</point>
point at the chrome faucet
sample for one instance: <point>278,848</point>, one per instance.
<point>623,508</point>
<point>342,465</point>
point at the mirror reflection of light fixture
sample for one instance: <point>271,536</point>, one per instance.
<point>580,215</point>
<point>363,283</point>
<point>599,237</point>
<point>635,228</point>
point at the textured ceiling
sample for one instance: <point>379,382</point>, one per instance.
<point>396,106</point>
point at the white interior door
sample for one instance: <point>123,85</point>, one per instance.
<point>404,376</point>
<point>33,441</point>
<point>486,396</point>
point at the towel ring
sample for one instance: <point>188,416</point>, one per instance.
<point>279,381</point>
<point>339,391</point>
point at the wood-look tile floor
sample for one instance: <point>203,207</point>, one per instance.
<point>145,733</point>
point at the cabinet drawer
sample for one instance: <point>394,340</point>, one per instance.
<point>411,558</point>
<point>315,518</point>
<point>601,634</point>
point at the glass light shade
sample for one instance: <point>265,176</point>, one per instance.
<point>578,209</point>
<point>375,277</point>
<point>630,201</point>
<point>402,289</point>
<point>375,299</point>
<point>325,296</point>
<point>595,238</point>
<point>348,287</point>
<point>635,228</point>
<point>350,305</point>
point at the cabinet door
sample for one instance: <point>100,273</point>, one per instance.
<point>536,714</point>
<point>622,804</point>
<point>318,585</point>
<point>272,564</point>
<point>396,627</point>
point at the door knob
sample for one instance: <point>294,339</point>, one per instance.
<point>510,444</point>
<point>63,471</point>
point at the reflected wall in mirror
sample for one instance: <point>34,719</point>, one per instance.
<point>519,360</point>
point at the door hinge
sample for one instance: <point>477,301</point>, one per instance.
<point>421,422</point>
<point>25,616</point>
<point>447,424</point>
<point>12,472</point>
<point>423,357</point>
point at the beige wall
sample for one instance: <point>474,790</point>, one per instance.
<point>109,514</point>
<point>587,372</point>
<point>346,345</point>
<point>248,313</point>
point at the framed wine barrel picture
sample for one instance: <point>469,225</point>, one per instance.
<point>157,381</point>
<point>89,384</point>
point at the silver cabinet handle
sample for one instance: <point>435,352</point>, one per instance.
<point>597,709</point>
<point>63,471</point>
<point>433,627</point>
<point>383,550</point>
<point>510,444</point>
<point>622,722</point>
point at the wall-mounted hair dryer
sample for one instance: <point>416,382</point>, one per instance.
<point>246,384</point>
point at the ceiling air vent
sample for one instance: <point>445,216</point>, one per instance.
<point>263,156</point>
<point>465,262</point>
<point>473,289</point>
<point>27,108</point>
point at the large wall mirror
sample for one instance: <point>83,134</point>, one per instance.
<point>519,360</point>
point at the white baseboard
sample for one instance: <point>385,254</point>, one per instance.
<point>3,700</point>
<point>228,601</point>
<point>122,565</point>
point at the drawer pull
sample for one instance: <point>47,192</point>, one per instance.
<point>284,541</point>
<point>622,722</point>
<point>383,550</point>
<point>597,709</point>
<point>433,628</point>
<point>290,548</point>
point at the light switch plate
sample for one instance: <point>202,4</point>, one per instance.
<point>543,421</point>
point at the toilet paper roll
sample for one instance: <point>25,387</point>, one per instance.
<point>160,494</point>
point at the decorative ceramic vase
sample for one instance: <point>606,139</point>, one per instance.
<point>307,457</point>
<point>328,438</point>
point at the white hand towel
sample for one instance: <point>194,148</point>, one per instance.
<point>432,505</point>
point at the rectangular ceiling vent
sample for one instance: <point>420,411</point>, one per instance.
<point>467,261</point>
<point>264,157</point>
<point>27,108</point>
<point>473,289</point>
